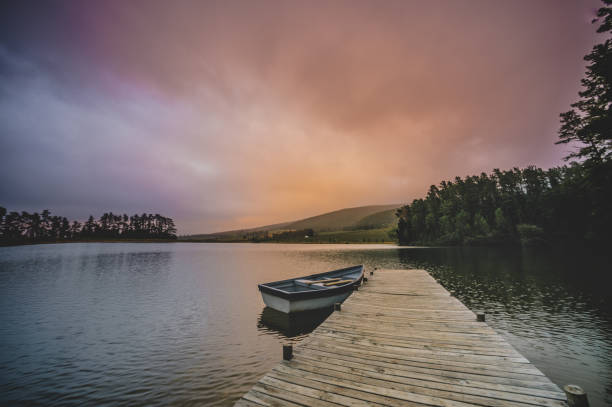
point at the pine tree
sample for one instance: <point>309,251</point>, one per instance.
<point>589,122</point>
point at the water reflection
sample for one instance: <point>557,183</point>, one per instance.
<point>293,326</point>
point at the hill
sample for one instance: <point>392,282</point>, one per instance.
<point>377,220</point>
<point>343,219</point>
<point>237,232</point>
<point>381,217</point>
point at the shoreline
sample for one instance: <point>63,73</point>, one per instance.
<point>90,241</point>
<point>181,241</point>
<point>558,245</point>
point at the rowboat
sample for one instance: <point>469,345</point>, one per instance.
<point>315,291</point>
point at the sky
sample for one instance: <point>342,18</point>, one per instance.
<point>232,114</point>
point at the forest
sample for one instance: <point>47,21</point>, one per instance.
<point>24,227</point>
<point>532,206</point>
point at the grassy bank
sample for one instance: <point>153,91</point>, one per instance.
<point>355,236</point>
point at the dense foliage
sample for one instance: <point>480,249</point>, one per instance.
<point>529,205</point>
<point>27,227</point>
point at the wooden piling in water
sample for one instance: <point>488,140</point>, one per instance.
<point>576,397</point>
<point>287,352</point>
<point>403,340</point>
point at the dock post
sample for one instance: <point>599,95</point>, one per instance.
<point>287,352</point>
<point>576,397</point>
<point>480,317</point>
<point>337,306</point>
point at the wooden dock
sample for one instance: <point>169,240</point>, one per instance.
<point>403,340</point>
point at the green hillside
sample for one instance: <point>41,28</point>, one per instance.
<point>361,224</point>
<point>377,220</point>
<point>342,219</point>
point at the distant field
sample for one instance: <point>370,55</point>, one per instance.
<point>382,235</point>
<point>355,236</point>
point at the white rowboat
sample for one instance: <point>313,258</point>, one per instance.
<point>311,292</point>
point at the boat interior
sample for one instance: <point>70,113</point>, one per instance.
<point>319,282</point>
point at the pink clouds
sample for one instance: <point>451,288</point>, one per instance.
<point>233,114</point>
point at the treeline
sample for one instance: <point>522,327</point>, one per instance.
<point>530,206</point>
<point>24,227</point>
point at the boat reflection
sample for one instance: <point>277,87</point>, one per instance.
<point>291,325</point>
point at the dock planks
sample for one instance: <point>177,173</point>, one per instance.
<point>403,340</point>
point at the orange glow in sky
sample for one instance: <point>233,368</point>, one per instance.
<point>235,114</point>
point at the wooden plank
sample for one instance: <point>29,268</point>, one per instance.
<point>404,326</point>
<point>377,390</point>
<point>310,282</point>
<point>258,397</point>
<point>303,392</point>
<point>288,392</point>
<point>412,322</point>
<point>403,340</point>
<point>376,309</point>
<point>357,394</point>
<point>403,302</point>
<point>423,344</point>
<point>485,339</point>
<point>362,296</point>
<point>246,403</point>
<point>338,282</point>
<point>450,392</point>
<point>407,363</point>
<point>397,372</point>
<point>429,354</point>
<point>429,387</point>
<point>380,366</point>
<point>500,369</point>
<point>419,336</point>
<point>369,342</point>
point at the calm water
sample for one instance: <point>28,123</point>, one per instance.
<point>183,324</point>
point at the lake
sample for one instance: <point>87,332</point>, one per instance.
<point>183,323</point>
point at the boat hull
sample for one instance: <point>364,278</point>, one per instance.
<point>312,292</point>
<point>289,306</point>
